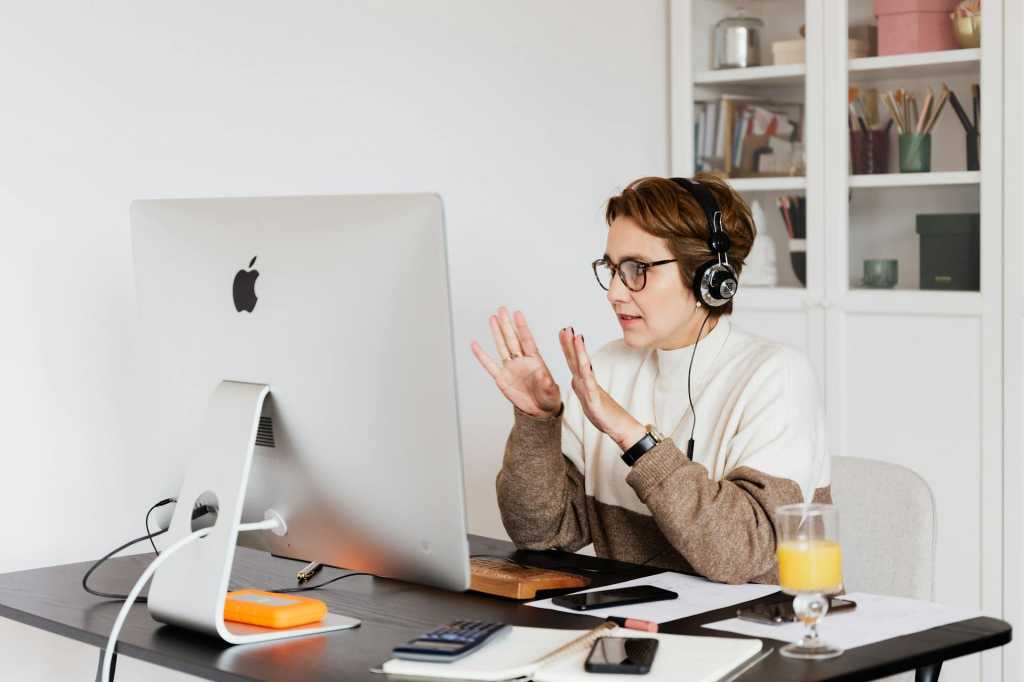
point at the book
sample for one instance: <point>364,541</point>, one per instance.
<point>547,655</point>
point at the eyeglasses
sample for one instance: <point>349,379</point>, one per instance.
<point>633,273</point>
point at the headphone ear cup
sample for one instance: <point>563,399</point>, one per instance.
<point>698,283</point>
<point>715,284</point>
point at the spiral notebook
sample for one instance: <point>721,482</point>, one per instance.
<point>547,655</point>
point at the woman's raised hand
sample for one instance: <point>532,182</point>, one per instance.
<point>600,408</point>
<point>522,376</point>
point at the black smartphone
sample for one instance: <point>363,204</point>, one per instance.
<point>777,614</point>
<point>607,598</point>
<point>622,655</point>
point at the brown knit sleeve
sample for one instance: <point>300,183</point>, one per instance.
<point>724,529</point>
<point>540,493</point>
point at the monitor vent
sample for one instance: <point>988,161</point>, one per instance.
<point>265,433</point>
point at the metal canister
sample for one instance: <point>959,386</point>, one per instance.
<point>737,43</point>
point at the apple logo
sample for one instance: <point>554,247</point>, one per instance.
<point>244,289</point>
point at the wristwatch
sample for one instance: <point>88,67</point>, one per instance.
<point>652,438</point>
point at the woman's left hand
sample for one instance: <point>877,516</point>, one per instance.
<point>601,409</point>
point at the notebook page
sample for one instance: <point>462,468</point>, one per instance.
<point>508,654</point>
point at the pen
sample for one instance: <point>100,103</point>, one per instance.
<point>634,623</point>
<point>307,573</point>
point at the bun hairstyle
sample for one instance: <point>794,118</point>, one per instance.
<point>663,209</point>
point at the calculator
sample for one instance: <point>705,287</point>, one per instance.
<point>449,642</point>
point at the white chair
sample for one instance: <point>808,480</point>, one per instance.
<point>887,530</point>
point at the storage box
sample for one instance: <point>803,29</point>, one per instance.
<point>950,251</point>
<point>795,51</point>
<point>867,34</point>
<point>914,26</point>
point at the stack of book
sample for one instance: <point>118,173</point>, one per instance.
<point>744,136</point>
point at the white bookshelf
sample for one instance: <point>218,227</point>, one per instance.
<point>910,376</point>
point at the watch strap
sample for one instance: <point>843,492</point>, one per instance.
<point>640,448</point>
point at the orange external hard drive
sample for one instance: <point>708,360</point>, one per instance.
<point>272,610</point>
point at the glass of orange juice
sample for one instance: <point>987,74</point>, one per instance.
<point>810,568</point>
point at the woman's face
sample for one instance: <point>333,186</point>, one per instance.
<point>664,314</point>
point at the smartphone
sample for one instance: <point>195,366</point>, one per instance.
<point>777,614</point>
<point>608,598</point>
<point>621,655</point>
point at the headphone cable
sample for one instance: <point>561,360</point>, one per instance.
<point>689,391</point>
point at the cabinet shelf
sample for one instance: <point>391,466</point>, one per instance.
<point>916,179</point>
<point>754,75</point>
<point>770,299</point>
<point>913,302</point>
<point>916,65</point>
<point>781,183</point>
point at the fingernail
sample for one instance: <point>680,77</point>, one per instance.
<point>573,331</point>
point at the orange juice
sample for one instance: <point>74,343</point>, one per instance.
<point>815,566</point>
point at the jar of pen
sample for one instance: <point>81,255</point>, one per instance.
<point>869,143</point>
<point>915,126</point>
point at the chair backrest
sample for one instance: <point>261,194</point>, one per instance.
<point>886,526</point>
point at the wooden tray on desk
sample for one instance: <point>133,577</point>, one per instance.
<point>507,579</point>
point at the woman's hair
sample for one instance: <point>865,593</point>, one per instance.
<point>664,209</point>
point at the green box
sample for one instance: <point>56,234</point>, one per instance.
<point>950,251</point>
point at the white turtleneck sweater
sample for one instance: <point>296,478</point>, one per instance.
<point>760,443</point>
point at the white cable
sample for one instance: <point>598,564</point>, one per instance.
<point>108,655</point>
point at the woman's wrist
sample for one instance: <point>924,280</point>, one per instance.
<point>630,434</point>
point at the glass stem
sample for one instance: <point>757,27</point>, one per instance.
<point>811,608</point>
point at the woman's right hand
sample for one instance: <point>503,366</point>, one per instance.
<point>522,376</point>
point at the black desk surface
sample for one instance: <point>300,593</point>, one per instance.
<point>393,612</point>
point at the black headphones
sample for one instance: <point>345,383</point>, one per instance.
<point>715,283</point>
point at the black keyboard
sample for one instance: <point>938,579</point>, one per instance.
<point>449,642</point>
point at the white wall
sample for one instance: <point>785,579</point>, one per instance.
<point>524,115</point>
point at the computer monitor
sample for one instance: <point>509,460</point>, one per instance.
<point>340,305</point>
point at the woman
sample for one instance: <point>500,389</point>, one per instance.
<point>758,439</point>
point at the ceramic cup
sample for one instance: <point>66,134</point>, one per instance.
<point>881,273</point>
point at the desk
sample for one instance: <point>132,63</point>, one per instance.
<point>392,612</point>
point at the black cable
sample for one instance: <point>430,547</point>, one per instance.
<point>306,588</point>
<point>196,513</point>
<point>108,595</point>
<point>151,509</point>
<point>689,392</point>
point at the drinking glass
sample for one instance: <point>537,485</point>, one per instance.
<point>810,568</point>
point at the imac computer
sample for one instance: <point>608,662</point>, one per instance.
<point>300,361</point>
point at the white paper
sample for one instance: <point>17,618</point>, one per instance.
<point>875,619</point>
<point>696,595</point>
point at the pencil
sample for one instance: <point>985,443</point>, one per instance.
<point>924,112</point>
<point>937,110</point>
<point>890,104</point>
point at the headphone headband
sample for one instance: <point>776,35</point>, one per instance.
<point>715,282</point>
<point>706,200</point>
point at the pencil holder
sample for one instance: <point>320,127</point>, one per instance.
<point>915,153</point>
<point>869,153</point>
